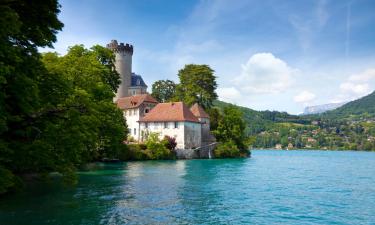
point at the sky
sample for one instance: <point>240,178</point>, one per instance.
<point>267,54</point>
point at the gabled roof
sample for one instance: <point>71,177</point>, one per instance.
<point>198,111</point>
<point>137,81</point>
<point>170,112</point>
<point>134,101</point>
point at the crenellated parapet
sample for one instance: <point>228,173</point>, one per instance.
<point>115,47</point>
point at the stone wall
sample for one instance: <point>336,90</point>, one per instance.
<point>193,135</point>
<point>204,152</point>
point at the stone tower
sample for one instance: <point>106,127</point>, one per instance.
<point>123,64</point>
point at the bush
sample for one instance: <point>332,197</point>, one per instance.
<point>132,152</point>
<point>156,149</point>
<point>227,150</point>
<point>170,142</point>
<point>153,149</point>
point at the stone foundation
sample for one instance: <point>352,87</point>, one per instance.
<point>203,152</point>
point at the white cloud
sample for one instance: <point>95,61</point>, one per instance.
<point>304,97</point>
<point>229,94</point>
<point>265,74</point>
<point>356,86</point>
<point>358,89</point>
<point>367,75</point>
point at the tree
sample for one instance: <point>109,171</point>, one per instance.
<point>24,26</point>
<point>197,85</point>
<point>231,128</point>
<point>163,90</point>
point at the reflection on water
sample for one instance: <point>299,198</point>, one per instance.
<point>272,187</point>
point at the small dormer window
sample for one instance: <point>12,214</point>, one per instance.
<point>138,82</point>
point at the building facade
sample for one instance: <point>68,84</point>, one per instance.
<point>173,119</point>
<point>189,126</point>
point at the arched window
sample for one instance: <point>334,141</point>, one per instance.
<point>147,110</point>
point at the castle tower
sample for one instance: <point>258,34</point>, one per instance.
<point>123,64</point>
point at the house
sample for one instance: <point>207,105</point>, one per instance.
<point>144,114</point>
<point>173,119</point>
<point>204,118</point>
<point>134,108</point>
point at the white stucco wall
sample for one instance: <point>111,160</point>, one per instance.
<point>132,117</point>
<point>187,134</point>
<point>169,130</point>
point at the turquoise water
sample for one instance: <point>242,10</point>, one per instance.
<point>272,187</point>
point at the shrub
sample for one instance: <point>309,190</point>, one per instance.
<point>156,149</point>
<point>132,152</point>
<point>227,150</point>
<point>170,142</point>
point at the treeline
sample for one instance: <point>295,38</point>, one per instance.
<point>333,130</point>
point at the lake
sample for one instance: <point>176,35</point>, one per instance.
<point>272,187</point>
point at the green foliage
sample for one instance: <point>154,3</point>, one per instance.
<point>156,148</point>
<point>197,85</point>
<point>24,26</point>
<point>227,150</point>
<point>265,129</point>
<point>56,111</point>
<point>153,149</point>
<point>163,90</point>
<point>231,128</point>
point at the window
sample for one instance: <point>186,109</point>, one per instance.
<point>135,131</point>
<point>147,110</point>
<point>175,124</point>
<point>165,124</point>
<point>138,82</point>
<point>146,125</point>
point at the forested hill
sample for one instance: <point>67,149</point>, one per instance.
<point>351,126</point>
<point>259,121</point>
<point>363,107</point>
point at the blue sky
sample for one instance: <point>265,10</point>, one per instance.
<point>267,54</point>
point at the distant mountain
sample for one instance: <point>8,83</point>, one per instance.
<point>364,106</point>
<point>321,108</point>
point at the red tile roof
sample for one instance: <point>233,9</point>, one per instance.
<point>170,112</point>
<point>134,101</point>
<point>198,111</point>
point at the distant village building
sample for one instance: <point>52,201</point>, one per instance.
<point>189,126</point>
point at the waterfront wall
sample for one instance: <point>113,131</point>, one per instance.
<point>203,152</point>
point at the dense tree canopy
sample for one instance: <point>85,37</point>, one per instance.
<point>231,128</point>
<point>163,90</point>
<point>56,112</point>
<point>24,26</point>
<point>197,85</point>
